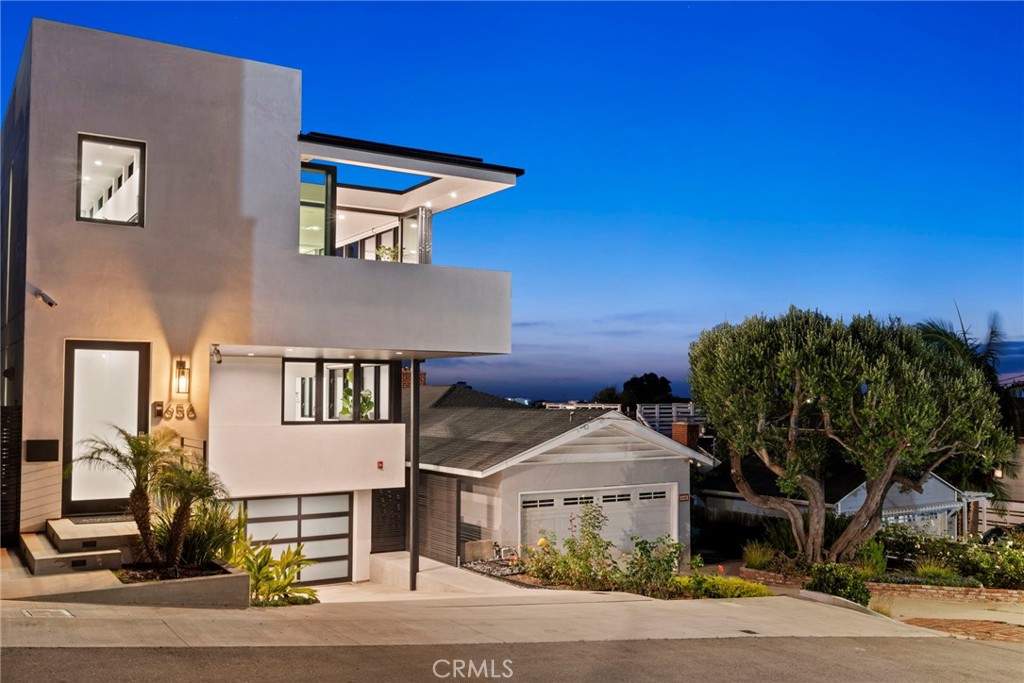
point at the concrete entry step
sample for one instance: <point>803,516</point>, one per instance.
<point>43,558</point>
<point>68,537</point>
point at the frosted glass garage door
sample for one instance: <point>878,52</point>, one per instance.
<point>322,523</point>
<point>646,511</point>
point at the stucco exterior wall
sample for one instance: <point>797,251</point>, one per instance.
<point>256,455</point>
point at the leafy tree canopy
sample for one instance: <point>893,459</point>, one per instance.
<point>793,389</point>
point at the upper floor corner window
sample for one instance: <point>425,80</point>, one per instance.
<point>111,180</point>
<point>316,210</point>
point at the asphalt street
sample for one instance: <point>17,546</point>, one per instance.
<point>794,660</point>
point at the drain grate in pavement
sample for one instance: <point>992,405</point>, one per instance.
<point>48,613</point>
<point>747,630</point>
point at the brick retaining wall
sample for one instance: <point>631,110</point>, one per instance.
<point>918,592</point>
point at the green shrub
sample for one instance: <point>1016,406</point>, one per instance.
<point>915,580</point>
<point>840,580</point>
<point>995,566</point>
<point>651,568</point>
<point>588,561</point>
<point>935,570</point>
<point>270,581</point>
<point>757,555</point>
<point>790,567</point>
<point>543,561</point>
<point>210,533</point>
<point>871,560</point>
<point>720,587</point>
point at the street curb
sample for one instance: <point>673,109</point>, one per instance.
<point>836,601</point>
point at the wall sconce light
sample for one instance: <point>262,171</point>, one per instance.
<point>181,377</point>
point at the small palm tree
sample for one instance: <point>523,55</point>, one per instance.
<point>140,458</point>
<point>985,356</point>
<point>182,483</point>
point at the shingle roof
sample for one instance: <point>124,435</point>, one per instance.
<point>466,429</point>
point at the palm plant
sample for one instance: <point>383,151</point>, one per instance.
<point>140,458</point>
<point>182,483</point>
<point>984,355</point>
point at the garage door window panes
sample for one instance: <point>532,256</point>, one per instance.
<point>320,522</point>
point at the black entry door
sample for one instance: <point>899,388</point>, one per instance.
<point>106,385</point>
<point>388,520</point>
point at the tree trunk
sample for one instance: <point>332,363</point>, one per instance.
<point>179,527</point>
<point>815,518</point>
<point>796,520</point>
<point>866,521</point>
<point>138,506</point>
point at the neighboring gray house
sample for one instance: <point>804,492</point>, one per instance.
<point>494,470</point>
<point>939,509</point>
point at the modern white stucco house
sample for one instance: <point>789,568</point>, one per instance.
<point>178,253</point>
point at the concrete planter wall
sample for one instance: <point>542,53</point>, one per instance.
<point>230,590</point>
<point>900,590</point>
<point>771,578</point>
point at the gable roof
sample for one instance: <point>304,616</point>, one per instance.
<point>469,432</point>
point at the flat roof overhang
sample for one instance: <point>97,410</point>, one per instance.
<point>454,179</point>
<point>313,353</point>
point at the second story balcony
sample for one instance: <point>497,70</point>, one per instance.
<point>376,202</point>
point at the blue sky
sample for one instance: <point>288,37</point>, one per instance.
<point>686,163</point>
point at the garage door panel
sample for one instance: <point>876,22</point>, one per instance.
<point>645,511</point>
<point>320,522</point>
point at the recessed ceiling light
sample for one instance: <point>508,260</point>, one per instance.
<point>86,178</point>
<point>398,353</point>
<point>98,162</point>
<point>289,349</point>
<point>453,195</point>
<point>341,216</point>
<point>313,228</point>
<point>430,204</point>
<point>250,354</point>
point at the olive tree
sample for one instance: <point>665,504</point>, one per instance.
<point>794,390</point>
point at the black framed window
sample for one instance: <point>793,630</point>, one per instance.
<point>111,180</point>
<point>316,209</point>
<point>339,391</point>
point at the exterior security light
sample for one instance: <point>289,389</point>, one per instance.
<point>181,377</point>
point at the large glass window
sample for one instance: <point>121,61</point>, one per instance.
<point>111,180</point>
<point>300,391</point>
<point>316,210</point>
<point>348,391</point>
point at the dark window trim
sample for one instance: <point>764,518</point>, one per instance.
<point>394,390</point>
<point>69,507</point>
<point>331,207</point>
<point>88,137</point>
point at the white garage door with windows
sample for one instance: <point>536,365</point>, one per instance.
<point>648,511</point>
<point>322,523</point>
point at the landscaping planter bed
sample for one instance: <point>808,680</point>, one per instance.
<point>905,590</point>
<point>228,589</point>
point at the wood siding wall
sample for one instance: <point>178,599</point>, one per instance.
<point>439,510</point>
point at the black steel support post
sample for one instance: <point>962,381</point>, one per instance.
<point>414,473</point>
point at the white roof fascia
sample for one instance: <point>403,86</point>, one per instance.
<point>395,162</point>
<point>612,418</point>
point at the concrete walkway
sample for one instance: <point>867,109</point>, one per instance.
<point>531,616</point>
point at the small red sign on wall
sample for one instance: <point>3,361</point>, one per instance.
<point>683,497</point>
